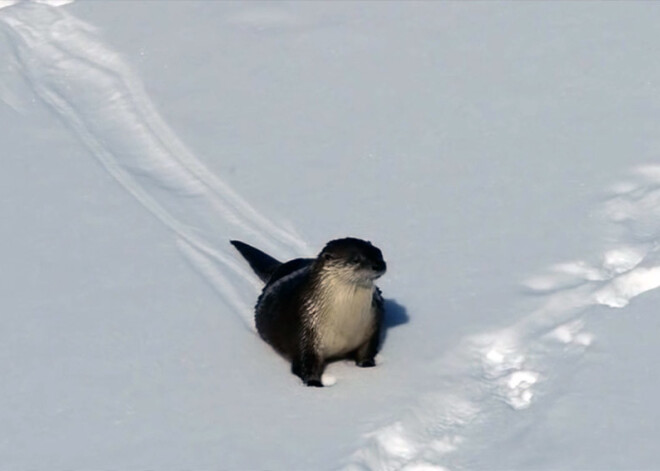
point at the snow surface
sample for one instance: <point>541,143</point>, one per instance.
<point>504,156</point>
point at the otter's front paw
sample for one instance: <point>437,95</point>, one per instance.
<point>314,383</point>
<point>368,363</point>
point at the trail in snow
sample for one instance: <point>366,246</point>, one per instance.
<point>94,91</point>
<point>492,375</point>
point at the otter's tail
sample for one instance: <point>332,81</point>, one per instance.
<point>263,264</point>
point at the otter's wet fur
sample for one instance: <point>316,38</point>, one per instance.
<point>315,310</point>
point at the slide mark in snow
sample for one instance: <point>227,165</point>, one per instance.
<point>95,92</point>
<point>492,375</point>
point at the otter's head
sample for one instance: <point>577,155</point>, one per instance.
<point>353,260</point>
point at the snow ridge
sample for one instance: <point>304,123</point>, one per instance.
<point>97,95</point>
<point>507,370</point>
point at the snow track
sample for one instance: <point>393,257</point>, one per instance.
<point>503,372</point>
<point>94,91</point>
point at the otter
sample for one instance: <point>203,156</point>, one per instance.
<point>312,311</point>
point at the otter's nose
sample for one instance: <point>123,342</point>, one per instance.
<point>379,266</point>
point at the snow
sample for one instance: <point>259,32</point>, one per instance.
<point>502,155</point>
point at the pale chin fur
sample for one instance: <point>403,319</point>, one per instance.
<point>351,275</point>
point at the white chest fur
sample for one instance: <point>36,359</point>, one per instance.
<point>346,318</point>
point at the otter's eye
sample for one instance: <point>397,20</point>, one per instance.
<point>357,259</point>
<point>328,256</point>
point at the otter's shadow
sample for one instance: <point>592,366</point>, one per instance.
<point>395,315</point>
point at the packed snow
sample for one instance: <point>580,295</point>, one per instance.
<point>504,156</point>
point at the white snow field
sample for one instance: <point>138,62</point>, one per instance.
<point>504,156</point>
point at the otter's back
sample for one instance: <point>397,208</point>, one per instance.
<point>277,314</point>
